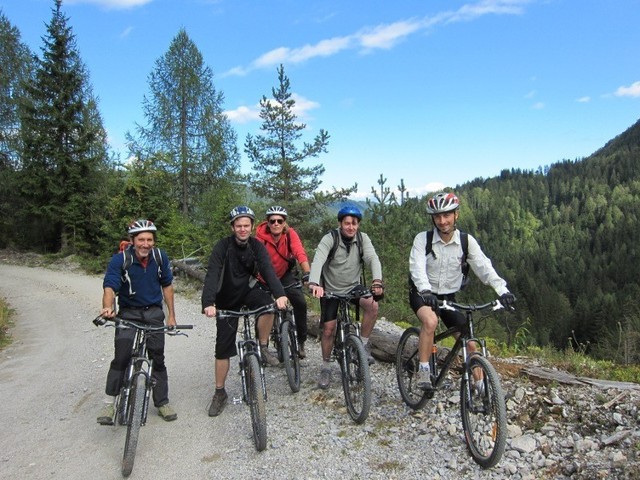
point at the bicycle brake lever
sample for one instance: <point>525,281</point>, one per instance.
<point>99,321</point>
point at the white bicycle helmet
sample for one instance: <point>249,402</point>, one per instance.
<point>141,226</point>
<point>241,211</point>
<point>277,210</point>
<point>442,202</point>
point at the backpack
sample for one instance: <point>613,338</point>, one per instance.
<point>127,255</point>
<point>464,240</point>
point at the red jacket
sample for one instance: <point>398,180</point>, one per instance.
<point>289,246</point>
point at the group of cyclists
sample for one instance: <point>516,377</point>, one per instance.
<point>257,270</point>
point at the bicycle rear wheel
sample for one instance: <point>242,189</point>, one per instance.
<point>484,416</point>
<point>256,402</point>
<point>407,364</point>
<point>134,421</point>
<point>356,381</point>
<point>289,349</point>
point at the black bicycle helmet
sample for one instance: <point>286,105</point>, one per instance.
<point>442,202</point>
<point>349,210</point>
<point>241,211</point>
<point>141,226</point>
<point>277,210</point>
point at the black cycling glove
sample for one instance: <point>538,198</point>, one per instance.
<point>507,300</point>
<point>429,299</point>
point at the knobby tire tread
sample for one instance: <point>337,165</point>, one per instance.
<point>495,421</point>
<point>407,364</point>
<point>134,422</point>
<point>290,356</point>
<point>356,380</point>
<point>256,402</point>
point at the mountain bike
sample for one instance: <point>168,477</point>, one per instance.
<point>285,338</point>
<point>132,404</point>
<point>254,387</point>
<point>349,351</point>
<point>483,410</point>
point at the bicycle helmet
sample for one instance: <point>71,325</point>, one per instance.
<point>241,211</point>
<point>349,210</point>
<point>141,226</point>
<point>277,210</point>
<point>442,202</point>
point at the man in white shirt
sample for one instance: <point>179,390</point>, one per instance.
<point>437,275</point>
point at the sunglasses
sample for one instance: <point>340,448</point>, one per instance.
<point>276,221</point>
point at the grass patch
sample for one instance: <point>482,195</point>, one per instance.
<point>5,323</point>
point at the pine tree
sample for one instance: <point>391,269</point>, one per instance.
<point>64,147</point>
<point>278,173</point>
<point>187,132</point>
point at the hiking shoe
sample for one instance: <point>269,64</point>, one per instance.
<point>301,353</point>
<point>325,378</point>
<point>167,413</point>
<point>218,402</point>
<point>268,358</point>
<point>367,349</point>
<point>423,381</point>
<point>105,417</point>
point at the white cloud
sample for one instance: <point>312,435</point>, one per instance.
<point>531,94</point>
<point>111,4</point>
<point>538,106</point>
<point>383,36</point>
<point>632,90</point>
<point>585,99</point>
<point>244,114</point>
<point>126,32</point>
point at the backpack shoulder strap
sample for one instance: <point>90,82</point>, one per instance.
<point>334,234</point>
<point>157,256</point>
<point>428,246</point>
<point>464,240</point>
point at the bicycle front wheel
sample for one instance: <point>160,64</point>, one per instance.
<point>290,357</point>
<point>256,402</point>
<point>134,421</point>
<point>484,414</point>
<point>407,365</point>
<point>356,381</point>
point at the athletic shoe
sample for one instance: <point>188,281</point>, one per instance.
<point>105,417</point>
<point>423,381</point>
<point>325,378</point>
<point>218,402</point>
<point>167,413</point>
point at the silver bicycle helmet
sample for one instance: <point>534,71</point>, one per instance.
<point>241,211</point>
<point>277,210</point>
<point>442,202</point>
<point>141,226</point>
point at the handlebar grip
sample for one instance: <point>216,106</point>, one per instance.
<point>184,327</point>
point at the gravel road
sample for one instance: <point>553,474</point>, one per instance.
<point>52,383</point>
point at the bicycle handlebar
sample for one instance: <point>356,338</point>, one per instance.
<point>449,305</point>
<point>100,320</point>
<point>349,296</point>
<point>271,308</point>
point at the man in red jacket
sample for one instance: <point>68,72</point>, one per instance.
<point>286,250</point>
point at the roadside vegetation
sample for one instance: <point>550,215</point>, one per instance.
<point>5,322</point>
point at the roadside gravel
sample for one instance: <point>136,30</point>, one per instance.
<point>52,383</point>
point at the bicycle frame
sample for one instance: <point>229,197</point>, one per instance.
<point>139,364</point>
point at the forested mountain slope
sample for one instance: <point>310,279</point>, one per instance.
<point>566,238</point>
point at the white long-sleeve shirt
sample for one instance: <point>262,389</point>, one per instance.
<point>441,270</point>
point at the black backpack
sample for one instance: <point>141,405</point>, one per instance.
<point>335,234</point>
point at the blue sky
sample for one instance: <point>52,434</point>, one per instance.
<point>431,92</point>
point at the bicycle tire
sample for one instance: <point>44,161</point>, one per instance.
<point>256,402</point>
<point>290,356</point>
<point>134,422</point>
<point>356,380</point>
<point>485,426</point>
<point>407,364</point>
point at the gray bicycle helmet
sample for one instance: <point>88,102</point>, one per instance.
<point>241,211</point>
<point>141,226</point>
<point>277,210</point>
<point>442,202</point>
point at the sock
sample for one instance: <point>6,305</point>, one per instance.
<point>220,390</point>
<point>425,366</point>
<point>109,400</point>
<point>365,340</point>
